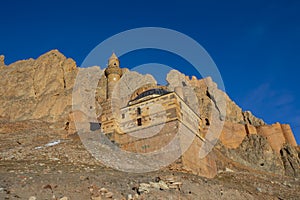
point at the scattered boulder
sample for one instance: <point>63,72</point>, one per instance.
<point>163,184</point>
<point>109,195</point>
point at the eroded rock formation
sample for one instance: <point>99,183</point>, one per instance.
<point>38,89</point>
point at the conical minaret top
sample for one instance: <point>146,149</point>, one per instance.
<point>113,61</point>
<point>113,66</point>
<point>113,56</point>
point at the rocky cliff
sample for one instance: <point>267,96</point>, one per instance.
<point>42,89</point>
<point>37,89</point>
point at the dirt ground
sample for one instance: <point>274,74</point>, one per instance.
<point>29,169</point>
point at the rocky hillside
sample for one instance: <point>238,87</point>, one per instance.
<point>41,89</point>
<point>39,163</point>
<point>251,160</point>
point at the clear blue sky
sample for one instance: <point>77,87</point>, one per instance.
<point>255,44</point>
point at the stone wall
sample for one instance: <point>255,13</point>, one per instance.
<point>147,140</point>
<point>151,112</point>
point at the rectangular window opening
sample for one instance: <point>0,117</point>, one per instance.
<point>139,121</point>
<point>139,111</point>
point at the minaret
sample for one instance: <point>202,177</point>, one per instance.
<point>111,108</point>
<point>113,73</point>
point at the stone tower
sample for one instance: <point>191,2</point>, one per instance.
<point>113,74</point>
<point>111,107</point>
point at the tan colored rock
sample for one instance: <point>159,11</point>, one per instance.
<point>274,135</point>
<point>210,96</point>
<point>84,91</point>
<point>109,195</point>
<point>249,118</point>
<point>176,79</point>
<point>103,190</point>
<point>251,130</point>
<point>130,82</point>
<point>96,198</point>
<point>38,89</point>
<point>192,162</point>
<point>177,82</point>
<point>77,120</point>
<point>288,134</point>
<point>2,60</point>
<point>232,135</point>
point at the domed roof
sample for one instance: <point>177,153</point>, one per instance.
<point>154,92</point>
<point>148,94</point>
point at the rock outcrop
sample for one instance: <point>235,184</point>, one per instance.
<point>38,89</point>
<point>209,95</point>
<point>256,153</point>
<point>291,160</point>
<point>249,118</point>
